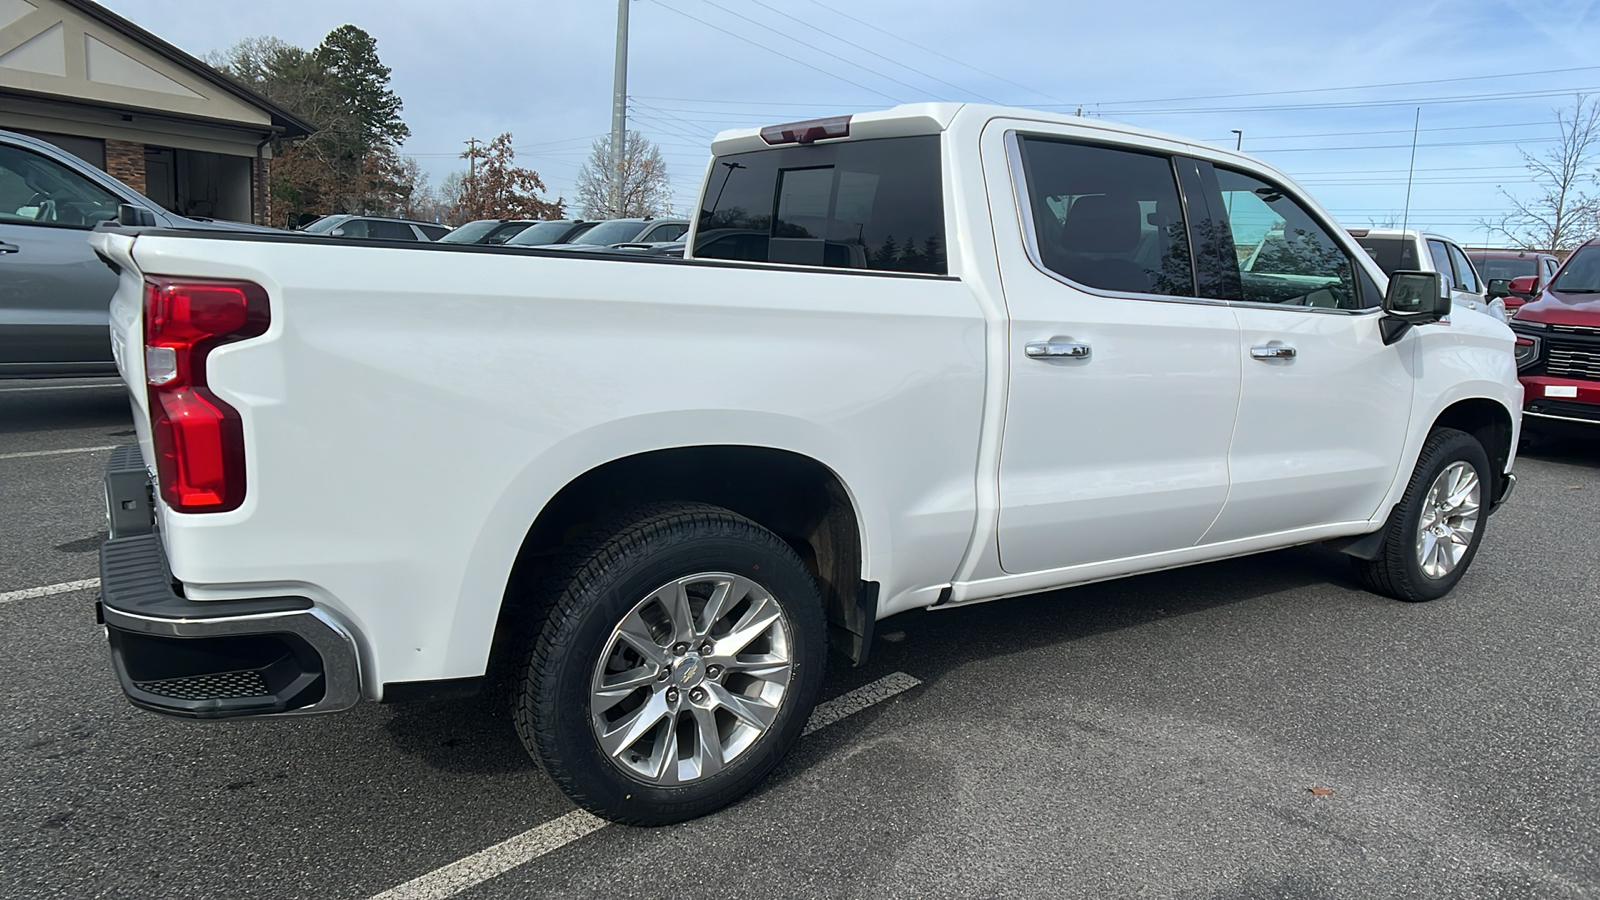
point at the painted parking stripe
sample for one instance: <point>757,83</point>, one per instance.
<point>29,453</point>
<point>559,832</point>
<point>63,387</point>
<point>66,587</point>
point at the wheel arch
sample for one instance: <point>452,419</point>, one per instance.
<point>1492,424</point>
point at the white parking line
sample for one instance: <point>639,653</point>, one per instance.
<point>57,452</point>
<point>64,387</point>
<point>559,832</point>
<point>65,587</point>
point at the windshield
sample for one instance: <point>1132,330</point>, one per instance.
<point>542,233</point>
<point>471,232</point>
<point>1581,275</point>
<point>1391,253</point>
<point>610,233</point>
<point>1507,268</point>
<point>324,224</point>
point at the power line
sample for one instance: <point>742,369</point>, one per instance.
<point>1354,104</point>
<point>886,59</point>
<point>1285,137</point>
<point>840,12</point>
<point>772,51</point>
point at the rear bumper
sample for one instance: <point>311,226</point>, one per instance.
<point>216,658</point>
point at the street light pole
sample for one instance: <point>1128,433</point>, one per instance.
<point>1239,144</point>
<point>619,110</point>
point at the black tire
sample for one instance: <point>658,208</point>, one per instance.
<point>598,582</point>
<point>1397,572</point>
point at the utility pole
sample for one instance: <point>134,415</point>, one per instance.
<point>472,174</point>
<point>619,109</point>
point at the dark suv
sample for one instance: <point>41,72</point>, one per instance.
<point>376,228</point>
<point>1499,267</point>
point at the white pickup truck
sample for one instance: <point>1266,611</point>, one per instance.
<point>919,358</point>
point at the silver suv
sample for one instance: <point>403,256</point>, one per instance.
<point>1424,251</point>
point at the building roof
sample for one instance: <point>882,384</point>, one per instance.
<point>292,126</point>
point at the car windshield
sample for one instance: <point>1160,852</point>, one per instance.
<point>1581,275</point>
<point>610,233</point>
<point>542,233</point>
<point>1492,267</point>
<point>1392,254</point>
<point>325,224</point>
<point>471,232</point>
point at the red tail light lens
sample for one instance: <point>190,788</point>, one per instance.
<point>199,440</point>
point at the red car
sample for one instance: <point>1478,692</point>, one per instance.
<point>1500,268</point>
<point>1558,343</point>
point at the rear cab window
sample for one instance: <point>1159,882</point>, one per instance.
<point>875,205</point>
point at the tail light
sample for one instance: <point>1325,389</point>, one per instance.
<point>199,440</point>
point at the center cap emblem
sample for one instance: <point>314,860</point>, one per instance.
<point>689,671</point>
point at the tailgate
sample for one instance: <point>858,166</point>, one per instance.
<point>127,328</point>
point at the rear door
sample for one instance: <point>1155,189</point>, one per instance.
<point>1123,380</point>
<point>54,293</point>
<point>1324,404</point>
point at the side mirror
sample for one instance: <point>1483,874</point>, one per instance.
<point>1499,287</point>
<point>1525,285</point>
<point>132,216</point>
<point>337,232</point>
<point>1413,298</point>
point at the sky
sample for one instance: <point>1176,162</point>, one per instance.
<point>1327,92</point>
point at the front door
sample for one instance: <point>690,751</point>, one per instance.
<point>1123,382</point>
<point>1325,405</point>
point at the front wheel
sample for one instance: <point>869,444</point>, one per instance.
<point>679,664</point>
<point>1433,532</point>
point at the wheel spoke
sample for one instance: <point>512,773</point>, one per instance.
<point>619,686</point>
<point>757,619</point>
<point>666,767</point>
<point>633,726</point>
<point>675,600</point>
<point>636,634</point>
<point>708,743</point>
<point>754,713</point>
<point>723,597</point>
<point>764,666</point>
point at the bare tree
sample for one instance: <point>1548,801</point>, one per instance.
<point>646,190</point>
<point>1562,214</point>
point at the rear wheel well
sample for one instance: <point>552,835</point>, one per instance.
<point>795,497</point>
<point>1490,423</point>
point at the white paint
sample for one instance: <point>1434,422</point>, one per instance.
<point>25,455</point>
<point>528,846</point>
<point>65,587</point>
<point>44,53</point>
<point>108,65</point>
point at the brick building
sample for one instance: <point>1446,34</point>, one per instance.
<point>193,140</point>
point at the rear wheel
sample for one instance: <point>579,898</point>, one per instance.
<point>680,662</point>
<point>1433,532</point>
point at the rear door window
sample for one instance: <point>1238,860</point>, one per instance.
<point>875,205</point>
<point>1441,262</point>
<point>1466,277</point>
<point>390,231</point>
<point>1108,218</point>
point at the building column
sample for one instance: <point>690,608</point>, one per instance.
<point>125,162</point>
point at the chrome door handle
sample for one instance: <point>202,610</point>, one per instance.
<point>8,248</point>
<point>1272,351</point>
<point>1056,350</point>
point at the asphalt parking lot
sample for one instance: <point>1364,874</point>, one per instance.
<point>1152,737</point>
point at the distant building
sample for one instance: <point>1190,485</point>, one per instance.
<point>178,131</point>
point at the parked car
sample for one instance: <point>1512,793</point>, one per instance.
<point>487,231</point>
<point>55,296</point>
<point>1558,343</point>
<point>645,230</point>
<point>659,248</point>
<point>977,358</point>
<point>376,228</point>
<point>1411,249</point>
<point>555,231</point>
<point>1500,267</point>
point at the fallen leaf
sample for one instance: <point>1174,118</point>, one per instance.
<point>1321,792</point>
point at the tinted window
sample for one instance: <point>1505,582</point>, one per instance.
<point>505,232</point>
<point>1441,262</point>
<point>1581,274</point>
<point>36,190</point>
<point>433,232</point>
<point>1492,268</point>
<point>472,232</point>
<point>541,233</point>
<point>858,205</point>
<point>665,233</point>
<point>1108,218</point>
<point>387,231</point>
<point>608,233</point>
<point>1469,278</point>
<point>1550,267</point>
<point>1392,254</point>
<point>354,228</point>
<point>1285,255</point>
